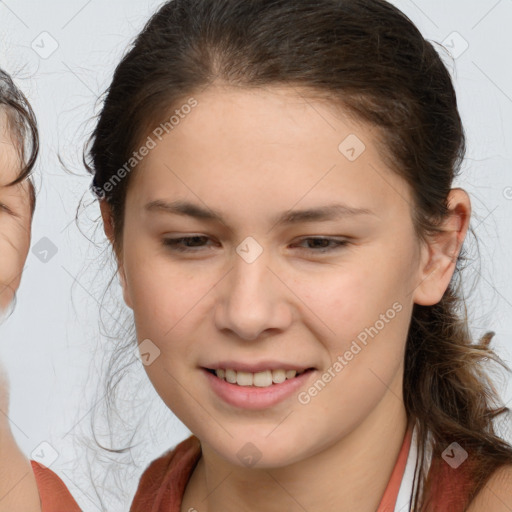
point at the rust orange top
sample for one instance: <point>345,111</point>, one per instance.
<point>162,485</point>
<point>55,496</point>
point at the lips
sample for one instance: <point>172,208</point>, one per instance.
<point>253,397</point>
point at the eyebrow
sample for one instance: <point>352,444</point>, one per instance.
<point>324,213</point>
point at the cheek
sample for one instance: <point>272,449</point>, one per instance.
<point>362,310</point>
<point>161,294</point>
<point>14,245</point>
<point>350,299</point>
<point>361,318</point>
<point>163,302</point>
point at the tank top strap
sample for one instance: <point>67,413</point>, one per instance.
<point>389,501</point>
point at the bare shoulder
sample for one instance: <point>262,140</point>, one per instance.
<point>496,496</point>
<point>18,486</point>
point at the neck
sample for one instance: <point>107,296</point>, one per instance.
<point>349,474</point>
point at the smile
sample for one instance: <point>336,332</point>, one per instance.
<point>251,395</point>
<point>259,379</point>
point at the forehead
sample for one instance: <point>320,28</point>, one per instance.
<point>267,146</point>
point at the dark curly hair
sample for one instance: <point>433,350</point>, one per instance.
<point>22,125</point>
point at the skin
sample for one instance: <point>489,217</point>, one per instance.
<point>252,155</point>
<point>360,441</point>
<point>15,221</point>
<point>18,489</point>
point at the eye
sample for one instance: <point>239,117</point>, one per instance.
<point>5,208</point>
<point>193,244</point>
<point>324,247</point>
<point>175,244</point>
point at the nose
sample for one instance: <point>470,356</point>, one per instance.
<point>253,298</point>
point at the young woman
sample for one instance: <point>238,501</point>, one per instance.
<point>275,180</point>
<point>18,152</point>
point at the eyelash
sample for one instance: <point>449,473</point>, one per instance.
<point>172,244</point>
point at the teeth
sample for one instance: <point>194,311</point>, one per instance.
<point>279,376</point>
<point>231,376</point>
<point>259,379</point>
<point>244,378</point>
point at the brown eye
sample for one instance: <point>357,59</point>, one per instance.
<point>184,244</point>
<point>321,244</point>
<point>5,208</point>
<point>196,243</point>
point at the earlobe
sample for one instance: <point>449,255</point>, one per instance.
<point>439,255</point>
<point>108,227</point>
<point>126,294</point>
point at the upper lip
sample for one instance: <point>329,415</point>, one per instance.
<point>256,367</point>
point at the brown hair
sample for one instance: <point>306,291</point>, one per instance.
<point>22,126</point>
<point>368,58</point>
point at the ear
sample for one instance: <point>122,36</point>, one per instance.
<point>439,255</point>
<point>108,227</point>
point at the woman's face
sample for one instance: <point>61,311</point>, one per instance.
<point>15,218</point>
<point>253,290</point>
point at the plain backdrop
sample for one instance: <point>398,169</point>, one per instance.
<point>63,54</point>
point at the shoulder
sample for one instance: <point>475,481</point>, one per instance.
<point>54,494</point>
<point>164,480</point>
<point>496,495</point>
<point>182,454</point>
<point>18,486</point>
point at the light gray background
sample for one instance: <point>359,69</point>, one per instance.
<point>54,334</point>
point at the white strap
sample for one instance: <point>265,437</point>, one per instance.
<point>405,492</point>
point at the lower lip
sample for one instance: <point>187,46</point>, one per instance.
<point>253,397</point>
